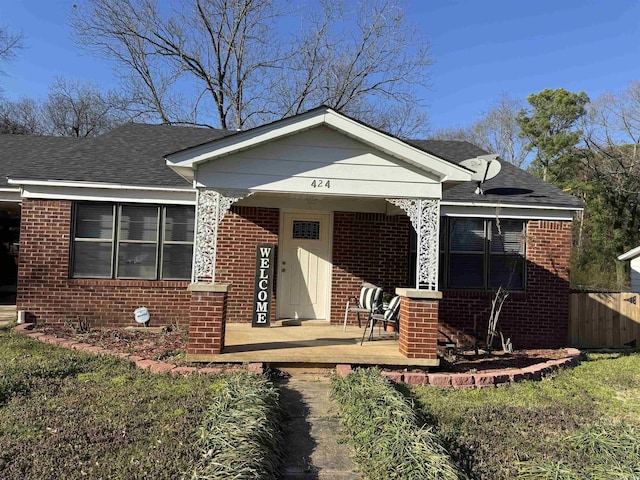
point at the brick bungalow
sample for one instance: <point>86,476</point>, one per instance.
<point>170,218</point>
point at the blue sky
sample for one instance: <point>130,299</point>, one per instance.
<point>481,49</point>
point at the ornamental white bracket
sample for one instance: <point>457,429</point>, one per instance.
<point>425,218</point>
<point>211,207</point>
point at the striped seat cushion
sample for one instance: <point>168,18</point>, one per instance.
<point>370,297</point>
<point>391,315</point>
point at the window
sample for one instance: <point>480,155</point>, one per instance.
<point>479,254</point>
<point>132,241</point>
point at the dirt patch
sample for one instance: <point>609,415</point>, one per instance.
<point>169,345</point>
<point>470,362</point>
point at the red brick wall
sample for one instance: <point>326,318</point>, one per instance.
<point>535,318</point>
<point>46,292</point>
<point>418,328</point>
<point>241,230</point>
<point>368,247</point>
<point>208,315</point>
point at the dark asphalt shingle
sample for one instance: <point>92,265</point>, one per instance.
<point>133,154</point>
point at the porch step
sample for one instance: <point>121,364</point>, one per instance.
<point>312,448</point>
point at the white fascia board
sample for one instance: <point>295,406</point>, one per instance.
<point>444,170</point>
<point>10,195</point>
<point>631,254</point>
<point>112,186</point>
<point>243,140</point>
<point>110,193</point>
<point>504,211</point>
<point>509,205</point>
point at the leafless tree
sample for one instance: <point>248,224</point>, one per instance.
<point>10,43</point>
<point>23,117</point>
<point>232,64</point>
<point>495,131</point>
<point>74,109</point>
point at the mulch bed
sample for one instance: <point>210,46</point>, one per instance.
<point>168,346</point>
<point>467,362</point>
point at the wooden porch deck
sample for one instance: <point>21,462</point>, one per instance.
<point>311,343</point>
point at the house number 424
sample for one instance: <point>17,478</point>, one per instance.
<point>321,184</point>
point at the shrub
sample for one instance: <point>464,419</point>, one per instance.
<point>241,434</point>
<point>388,439</point>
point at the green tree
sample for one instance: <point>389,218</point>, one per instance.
<point>550,126</point>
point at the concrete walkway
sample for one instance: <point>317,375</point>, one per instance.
<point>312,449</point>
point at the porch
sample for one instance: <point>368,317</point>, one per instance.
<point>317,343</point>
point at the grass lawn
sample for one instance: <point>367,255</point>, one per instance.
<point>583,423</point>
<point>71,415</point>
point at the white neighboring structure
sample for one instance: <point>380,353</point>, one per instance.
<point>634,256</point>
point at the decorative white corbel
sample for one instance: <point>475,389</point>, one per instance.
<point>211,207</point>
<point>425,218</point>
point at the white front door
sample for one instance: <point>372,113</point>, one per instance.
<point>304,274</point>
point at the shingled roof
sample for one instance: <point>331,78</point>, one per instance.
<point>511,186</point>
<point>133,154</point>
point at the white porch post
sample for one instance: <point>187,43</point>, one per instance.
<point>425,218</point>
<point>211,207</point>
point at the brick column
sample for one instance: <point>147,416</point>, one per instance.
<point>207,319</point>
<point>418,323</point>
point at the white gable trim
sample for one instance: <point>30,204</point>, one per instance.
<point>190,158</point>
<point>631,254</point>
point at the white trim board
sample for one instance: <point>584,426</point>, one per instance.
<point>10,195</point>
<point>192,157</point>
<point>505,211</point>
<point>159,196</point>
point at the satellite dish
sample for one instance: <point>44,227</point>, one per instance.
<point>485,167</point>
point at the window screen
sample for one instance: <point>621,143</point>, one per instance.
<point>177,249</point>
<point>138,248</point>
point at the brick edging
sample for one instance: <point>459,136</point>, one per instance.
<point>145,364</point>
<point>492,378</point>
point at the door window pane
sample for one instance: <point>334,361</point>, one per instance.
<point>306,230</point>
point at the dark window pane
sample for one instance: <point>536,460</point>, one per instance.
<point>92,259</point>
<point>467,235</point>
<point>306,230</point>
<point>176,261</point>
<point>466,271</point>
<point>139,222</point>
<point>506,271</point>
<point>179,223</point>
<point>137,260</point>
<point>509,239</point>
<point>94,221</point>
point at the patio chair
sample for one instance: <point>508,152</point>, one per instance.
<point>390,316</point>
<point>369,302</point>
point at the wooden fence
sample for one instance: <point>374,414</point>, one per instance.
<point>604,319</point>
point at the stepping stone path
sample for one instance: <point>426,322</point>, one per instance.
<point>312,450</point>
